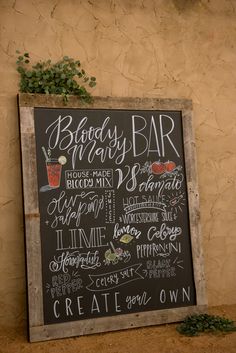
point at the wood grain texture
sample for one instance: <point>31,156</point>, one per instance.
<point>55,101</point>
<point>39,331</point>
<point>194,213</point>
<point>32,217</point>
<point>34,271</point>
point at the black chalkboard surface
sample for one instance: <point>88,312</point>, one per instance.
<point>114,215</point>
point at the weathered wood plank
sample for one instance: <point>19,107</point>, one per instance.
<point>32,217</point>
<point>28,150</point>
<point>113,323</point>
<point>34,270</point>
<point>194,209</point>
<point>27,121</point>
<point>53,101</point>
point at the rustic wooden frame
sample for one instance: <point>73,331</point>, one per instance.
<point>37,330</point>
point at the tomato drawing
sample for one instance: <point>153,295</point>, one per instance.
<point>158,168</point>
<point>170,166</point>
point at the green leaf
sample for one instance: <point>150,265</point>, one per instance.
<point>21,70</point>
<point>92,84</point>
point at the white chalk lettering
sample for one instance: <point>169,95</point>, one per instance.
<point>88,142</point>
<point>159,131</point>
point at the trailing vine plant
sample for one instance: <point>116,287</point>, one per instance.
<point>65,77</point>
<point>195,324</point>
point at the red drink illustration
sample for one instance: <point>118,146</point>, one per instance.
<point>54,172</point>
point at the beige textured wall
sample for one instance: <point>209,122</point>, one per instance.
<point>146,48</point>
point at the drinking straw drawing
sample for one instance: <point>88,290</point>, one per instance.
<point>45,154</point>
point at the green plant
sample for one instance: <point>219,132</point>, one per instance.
<point>62,77</point>
<point>195,324</point>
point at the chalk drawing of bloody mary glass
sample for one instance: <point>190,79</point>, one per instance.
<point>54,167</point>
<point>53,172</point>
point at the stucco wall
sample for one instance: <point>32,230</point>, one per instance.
<point>146,48</point>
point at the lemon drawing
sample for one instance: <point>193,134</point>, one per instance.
<point>126,238</point>
<point>62,160</point>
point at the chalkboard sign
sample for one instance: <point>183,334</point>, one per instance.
<point>117,215</point>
